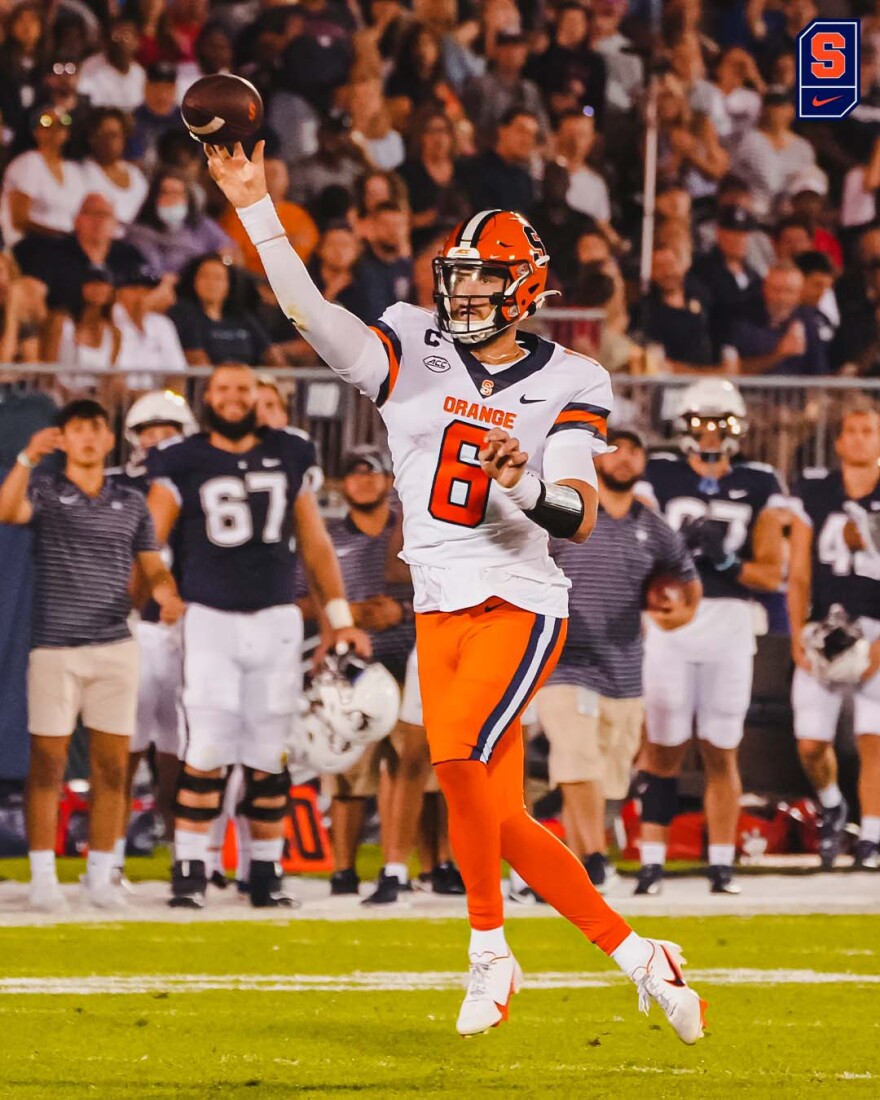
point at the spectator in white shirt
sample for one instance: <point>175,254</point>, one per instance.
<point>113,78</point>
<point>42,192</point>
<point>741,86</point>
<point>150,345</point>
<point>106,172</point>
<point>686,57</point>
<point>587,192</point>
<point>769,156</point>
<point>859,205</point>
<point>625,70</point>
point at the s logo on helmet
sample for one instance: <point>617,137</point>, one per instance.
<point>828,69</point>
<point>487,386</point>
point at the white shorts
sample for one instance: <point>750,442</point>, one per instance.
<point>817,706</point>
<point>242,679</point>
<point>159,720</point>
<point>703,671</point>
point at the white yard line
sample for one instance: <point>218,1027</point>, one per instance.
<point>385,981</point>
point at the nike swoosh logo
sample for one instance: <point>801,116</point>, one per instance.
<point>678,980</point>
<point>738,494</point>
<point>493,607</point>
<point>271,461</point>
<point>68,500</point>
<point>531,400</point>
<point>821,102</point>
<point>343,550</point>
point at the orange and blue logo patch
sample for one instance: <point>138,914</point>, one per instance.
<point>828,69</point>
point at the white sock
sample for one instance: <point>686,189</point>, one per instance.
<point>632,953</point>
<point>267,851</point>
<point>721,855</point>
<point>870,829</point>
<point>400,871</point>
<point>217,831</point>
<point>830,796</point>
<point>99,867</point>
<point>43,864</point>
<point>653,851</point>
<point>517,882</point>
<point>493,941</point>
<point>190,846</point>
<point>119,853</point>
<point>243,836</point>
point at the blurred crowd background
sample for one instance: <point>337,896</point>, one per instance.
<point>389,120</point>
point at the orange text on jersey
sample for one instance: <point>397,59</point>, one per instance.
<point>498,418</point>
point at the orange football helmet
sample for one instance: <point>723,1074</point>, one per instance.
<point>494,246</point>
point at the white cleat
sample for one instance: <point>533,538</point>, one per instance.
<point>107,895</point>
<point>662,981</point>
<point>493,981</point>
<point>44,895</point>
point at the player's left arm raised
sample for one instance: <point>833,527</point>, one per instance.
<point>322,567</point>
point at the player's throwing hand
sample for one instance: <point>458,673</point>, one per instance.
<point>502,459</point>
<point>241,179</point>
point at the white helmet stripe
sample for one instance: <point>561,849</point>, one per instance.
<point>475,226</point>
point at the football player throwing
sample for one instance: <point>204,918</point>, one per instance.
<point>492,432</point>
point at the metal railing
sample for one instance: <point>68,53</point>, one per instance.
<point>792,421</point>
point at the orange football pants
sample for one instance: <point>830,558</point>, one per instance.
<point>478,669</point>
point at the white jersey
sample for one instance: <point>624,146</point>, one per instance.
<point>464,540</point>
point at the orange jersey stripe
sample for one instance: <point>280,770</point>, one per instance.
<point>393,361</point>
<point>578,416</point>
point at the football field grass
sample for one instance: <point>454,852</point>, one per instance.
<point>367,1009</point>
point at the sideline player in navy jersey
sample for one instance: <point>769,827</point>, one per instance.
<point>835,561</point>
<point>236,495</point>
<point>732,518</point>
<point>151,420</point>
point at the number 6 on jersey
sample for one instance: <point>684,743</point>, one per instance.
<point>460,491</point>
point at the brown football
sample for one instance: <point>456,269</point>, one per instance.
<point>662,590</point>
<point>222,109</point>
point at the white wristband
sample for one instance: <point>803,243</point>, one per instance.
<point>526,493</point>
<point>338,613</point>
<point>261,221</point>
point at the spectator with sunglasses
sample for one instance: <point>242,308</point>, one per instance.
<point>60,91</point>
<point>42,190</point>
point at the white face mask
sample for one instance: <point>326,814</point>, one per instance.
<point>173,216</point>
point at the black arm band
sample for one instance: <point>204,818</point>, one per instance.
<point>560,510</point>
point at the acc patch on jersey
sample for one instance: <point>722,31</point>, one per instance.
<point>828,69</point>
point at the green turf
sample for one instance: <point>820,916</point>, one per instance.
<point>779,1041</point>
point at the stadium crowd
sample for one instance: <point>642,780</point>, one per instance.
<point>386,123</point>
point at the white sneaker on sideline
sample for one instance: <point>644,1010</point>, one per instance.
<point>105,895</point>
<point>493,981</point>
<point>44,895</point>
<point>661,980</point>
